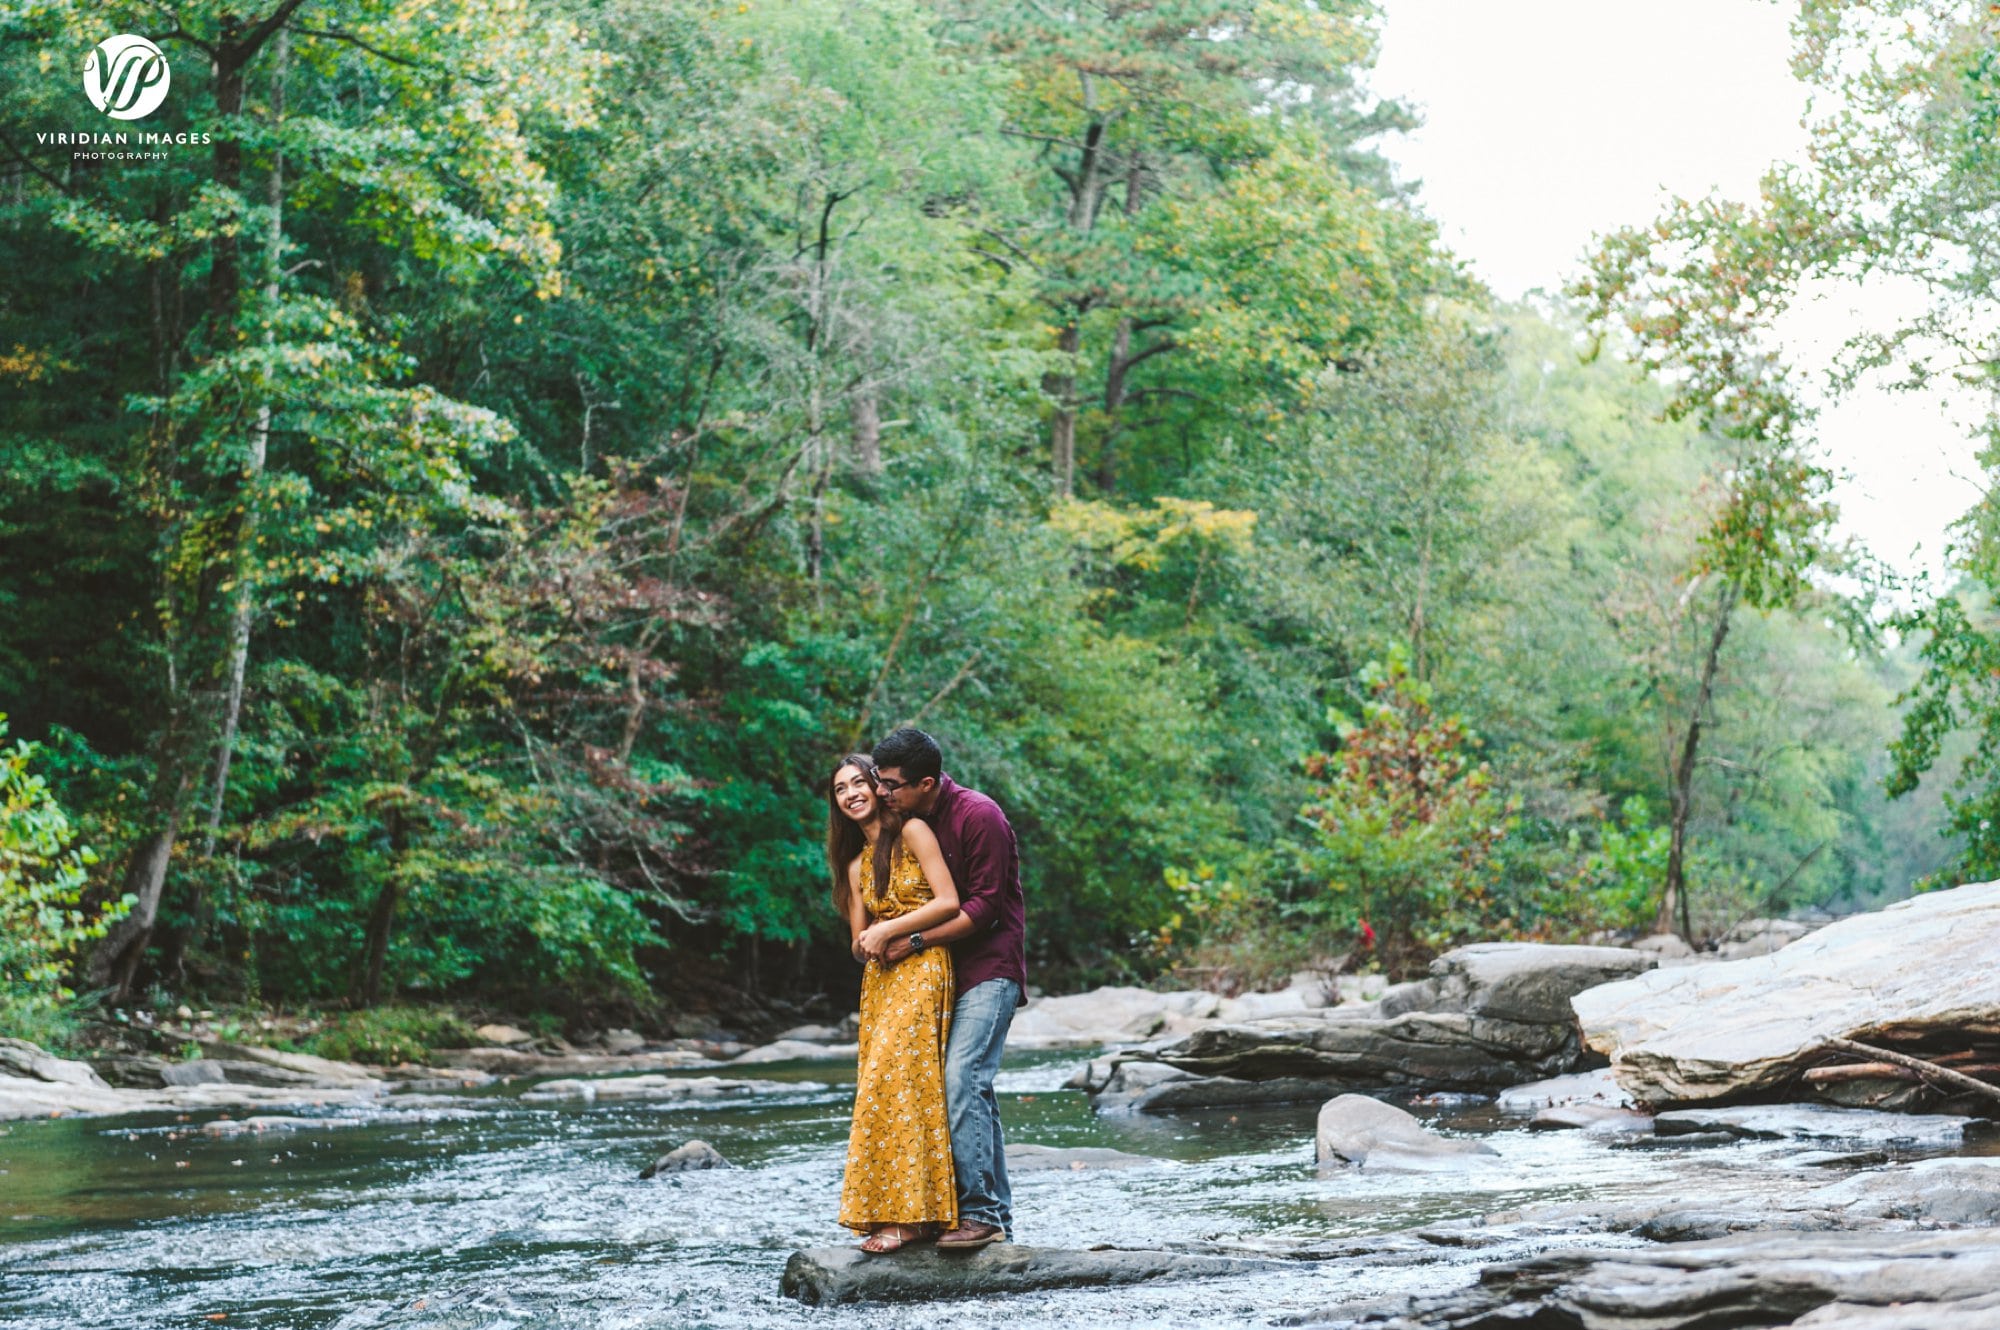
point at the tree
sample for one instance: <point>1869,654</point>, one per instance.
<point>1404,821</point>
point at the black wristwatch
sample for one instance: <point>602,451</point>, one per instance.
<point>916,943</point>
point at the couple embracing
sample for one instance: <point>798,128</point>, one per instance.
<point>927,876</point>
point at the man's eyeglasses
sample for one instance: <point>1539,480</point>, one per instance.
<point>888,786</point>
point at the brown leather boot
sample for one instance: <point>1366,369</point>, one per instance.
<point>969,1237</point>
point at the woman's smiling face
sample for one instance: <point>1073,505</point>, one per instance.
<point>854,793</point>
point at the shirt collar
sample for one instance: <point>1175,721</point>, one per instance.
<point>947,796</point>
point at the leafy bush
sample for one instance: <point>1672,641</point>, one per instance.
<point>1405,822</point>
<point>42,916</point>
<point>386,1035</point>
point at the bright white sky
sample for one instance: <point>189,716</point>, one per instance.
<point>1549,121</point>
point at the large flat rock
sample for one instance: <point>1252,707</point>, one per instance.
<point>1815,1281</point>
<point>1809,1122</point>
<point>1920,973</point>
<point>826,1275</point>
<point>1488,1017</point>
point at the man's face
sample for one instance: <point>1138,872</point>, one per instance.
<point>906,797</point>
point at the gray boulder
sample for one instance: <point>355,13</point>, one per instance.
<point>1597,1088</point>
<point>1918,973</point>
<point>132,1071</point>
<point>1358,1132</point>
<point>689,1158</point>
<point>1936,1191</point>
<point>828,1275</point>
<point>195,1071</point>
<point>1489,1016</point>
<point>1139,1086</point>
<point>1809,1280</point>
<point>1598,1119</point>
<point>797,1050</point>
<point>20,1058</point>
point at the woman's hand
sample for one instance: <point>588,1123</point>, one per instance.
<point>875,939</point>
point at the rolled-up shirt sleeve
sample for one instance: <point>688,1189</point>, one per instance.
<point>984,843</point>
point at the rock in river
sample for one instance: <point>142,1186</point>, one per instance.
<point>655,1087</point>
<point>1857,1126</point>
<point>923,1274</point>
<point>1918,974</point>
<point>1025,1158</point>
<point>1489,1016</point>
<point>1853,1281</point>
<point>689,1158</point>
<point>1356,1131</point>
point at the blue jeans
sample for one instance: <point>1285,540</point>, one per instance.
<point>979,1024</point>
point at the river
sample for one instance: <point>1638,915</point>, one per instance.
<point>479,1211</point>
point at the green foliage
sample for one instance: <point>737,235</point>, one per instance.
<point>1959,687</point>
<point>43,918</point>
<point>1404,821</point>
<point>384,1036</point>
<point>1621,877</point>
<point>574,427</point>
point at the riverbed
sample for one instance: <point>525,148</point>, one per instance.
<point>477,1210</point>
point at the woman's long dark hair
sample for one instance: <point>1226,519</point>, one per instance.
<point>844,841</point>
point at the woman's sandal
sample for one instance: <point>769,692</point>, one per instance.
<point>892,1238</point>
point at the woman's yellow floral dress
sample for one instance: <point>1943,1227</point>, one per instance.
<point>899,1150</point>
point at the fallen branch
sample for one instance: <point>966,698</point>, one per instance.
<point>1930,1071</point>
<point>1885,1071</point>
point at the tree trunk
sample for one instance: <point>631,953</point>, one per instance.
<point>1674,898</point>
<point>375,949</point>
<point>114,962</point>
<point>1061,387</point>
<point>867,412</point>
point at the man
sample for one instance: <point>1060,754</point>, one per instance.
<point>988,958</point>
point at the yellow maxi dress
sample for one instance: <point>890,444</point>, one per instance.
<point>899,1149</point>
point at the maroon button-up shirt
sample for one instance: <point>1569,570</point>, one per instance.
<point>985,865</point>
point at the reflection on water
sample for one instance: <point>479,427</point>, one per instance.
<point>478,1211</point>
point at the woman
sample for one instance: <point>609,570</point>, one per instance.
<point>890,881</point>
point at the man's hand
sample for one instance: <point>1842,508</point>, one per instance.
<point>898,948</point>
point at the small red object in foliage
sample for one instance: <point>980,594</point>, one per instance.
<point>1367,934</point>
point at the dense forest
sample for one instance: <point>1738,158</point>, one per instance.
<point>461,497</point>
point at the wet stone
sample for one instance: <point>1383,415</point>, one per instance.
<point>827,1275</point>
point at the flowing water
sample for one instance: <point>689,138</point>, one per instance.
<point>480,1211</point>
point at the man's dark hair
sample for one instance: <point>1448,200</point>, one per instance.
<point>912,751</point>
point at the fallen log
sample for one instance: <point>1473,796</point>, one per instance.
<point>1886,1071</point>
<point>1942,1077</point>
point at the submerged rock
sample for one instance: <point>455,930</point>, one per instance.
<point>689,1158</point>
<point>1904,1281</point>
<point>1356,1131</point>
<point>272,1122</point>
<point>1818,1122</point>
<point>1025,1158</point>
<point>1917,974</point>
<point>922,1274</point>
<point>654,1087</point>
